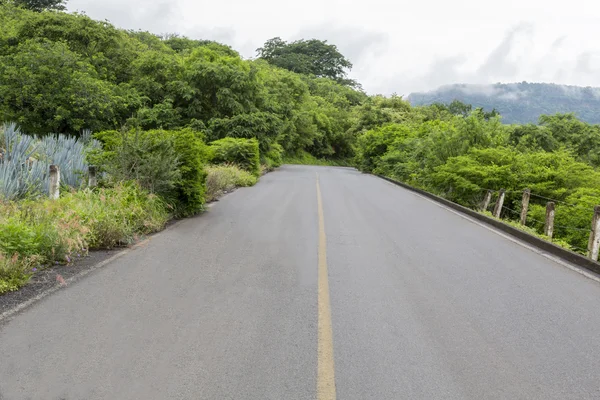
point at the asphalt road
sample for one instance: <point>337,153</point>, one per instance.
<point>424,304</point>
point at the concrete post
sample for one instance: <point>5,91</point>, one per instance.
<point>54,184</point>
<point>525,205</point>
<point>549,227</point>
<point>92,181</point>
<point>499,203</point>
<point>486,200</point>
<point>594,242</point>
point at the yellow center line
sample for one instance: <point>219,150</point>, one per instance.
<point>325,369</point>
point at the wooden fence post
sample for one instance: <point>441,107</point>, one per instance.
<point>525,205</point>
<point>486,200</point>
<point>54,184</point>
<point>92,181</point>
<point>549,227</point>
<point>594,242</point>
<point>499,203</point>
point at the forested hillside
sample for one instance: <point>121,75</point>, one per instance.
<point>64,73</point>
<point>520,103</point>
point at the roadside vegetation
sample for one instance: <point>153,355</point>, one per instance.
<point>224,178</point>
<point>459,154</point>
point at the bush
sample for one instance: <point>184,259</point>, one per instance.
<point>117,216</point>
<point>44,229</point>
<point>167,163</point>
<point>15,272</point>
<point>222,178</point>
<point>273,158</point>
<point>242,152</point>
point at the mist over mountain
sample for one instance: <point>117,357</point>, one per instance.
<point>519,102</point>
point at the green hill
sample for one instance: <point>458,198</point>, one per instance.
<point>520,102</point>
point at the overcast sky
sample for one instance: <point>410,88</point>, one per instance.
<point>396,46</point>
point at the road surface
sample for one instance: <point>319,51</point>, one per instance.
<point>368,292</point>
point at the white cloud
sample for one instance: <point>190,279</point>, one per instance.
<point>396,46</point>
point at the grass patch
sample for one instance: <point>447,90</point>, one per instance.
<point>43,232</point>
<point>222,178</point>
<point>15,271</point>
<point>304,158</point>
<point>533,232</point>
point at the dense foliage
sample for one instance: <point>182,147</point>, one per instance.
<point>243,153</point>
<point>167,163</point>
<point>309,57</point>
<point>460,153</point>
<point>63,73</point>
<point>520,103</point>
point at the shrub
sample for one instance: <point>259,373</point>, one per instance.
<point>242,152</point>
<point>221,178</point>
<point>15,271</point>
<point>273,158</point>
<point>116,216</point>
<point>168,163</point>
<point>44,229</point>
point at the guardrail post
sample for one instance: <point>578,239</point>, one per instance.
<point>525,205</point>
<point>549,226</point>
<point>92,181</point>
<point>54,184</point>
<point>499,203</point>
<point>594,242</point>
<point>486,200</point>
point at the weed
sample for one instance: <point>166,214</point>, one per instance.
<point>222,178</point>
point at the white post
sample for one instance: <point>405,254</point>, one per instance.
<point>525,205</point>
<point>92,181</point>
<point>594,242</point>
<point>499,203</point>
<point>486,200</point>
<point>54,185</point>
<point>549,227</point>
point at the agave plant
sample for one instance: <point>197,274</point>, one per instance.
<point>25,161</point>
<point>20,174</point>
<point>68,152</point>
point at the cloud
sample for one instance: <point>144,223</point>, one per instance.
<point>354,43</point>
<point>418,51</point>
<point>508,61</point>
<point>501,61</point>
<point>155,16</point>
<point>558,43</point>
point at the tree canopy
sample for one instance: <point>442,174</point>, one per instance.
<point>310,57</point>
<point>38,5</point>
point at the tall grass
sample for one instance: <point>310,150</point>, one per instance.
<point>47,231</point>
<point>222,178</point>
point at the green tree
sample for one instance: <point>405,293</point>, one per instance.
<point>41,5</point>
<point>48,88</point>
<point>314,57</point>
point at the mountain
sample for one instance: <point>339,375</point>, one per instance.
<point>520,102</point>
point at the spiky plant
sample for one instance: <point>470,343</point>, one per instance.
<point>20,174</point>
<point>25,160</point>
